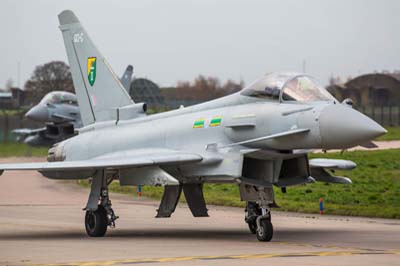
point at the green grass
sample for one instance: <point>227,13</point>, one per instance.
<point>393,134</point>
<point>20,149</point>
<point>12,112</point>
<point>375,191</point>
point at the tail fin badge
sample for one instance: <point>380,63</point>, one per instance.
<point>91,70</point>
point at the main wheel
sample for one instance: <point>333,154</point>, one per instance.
<point>252,227</point>
<point>96,222</point>
<point>265,231</point>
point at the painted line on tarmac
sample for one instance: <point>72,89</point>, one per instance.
<point>227,257</point>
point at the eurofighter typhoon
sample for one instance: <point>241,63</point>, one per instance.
<point>257,138</point>
<point>60,112</point>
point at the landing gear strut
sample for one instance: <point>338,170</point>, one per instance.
<point>259,221</point>
<point>99,214</point>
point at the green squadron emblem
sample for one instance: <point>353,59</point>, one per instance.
<point>91,70</point>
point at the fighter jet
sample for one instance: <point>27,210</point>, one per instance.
<point>257,138</point>
<point>60,112</point>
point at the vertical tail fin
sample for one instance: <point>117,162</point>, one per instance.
<point>98,89</point>
<point>127,78</point>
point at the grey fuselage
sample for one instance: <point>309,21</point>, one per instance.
<point>242,118</point>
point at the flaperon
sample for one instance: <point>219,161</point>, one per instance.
<point>257,138</point>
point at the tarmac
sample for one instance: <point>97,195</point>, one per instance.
<point>41,223</point>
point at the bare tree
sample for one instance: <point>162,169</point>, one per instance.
<point>52,76</point>
<point>231,86</point>
<point>9,84</point>
<point>205,88</point>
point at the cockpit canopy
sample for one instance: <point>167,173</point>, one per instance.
<point>288,87</point>
<point>59,97</point>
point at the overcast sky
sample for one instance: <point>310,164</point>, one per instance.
<point>168,41</point>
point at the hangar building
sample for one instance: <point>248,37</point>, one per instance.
<point>377,89</point>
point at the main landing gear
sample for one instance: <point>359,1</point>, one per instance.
<point>96,222</point>
<point>99,214</point>
<point>259,221</point>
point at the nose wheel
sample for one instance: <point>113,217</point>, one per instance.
<point>259,221</point>
<point>265,230</point>
<point>252,227</point>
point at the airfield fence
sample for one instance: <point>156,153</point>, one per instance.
<point>387,116</point>
<point>9,122</point>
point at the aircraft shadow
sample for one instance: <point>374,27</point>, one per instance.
<point>217,234</point>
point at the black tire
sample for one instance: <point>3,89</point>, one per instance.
<point>96,222</point>
<point>252,227</point>
<point>265,232</point>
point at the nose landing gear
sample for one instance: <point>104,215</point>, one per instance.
<point>265,230</point>
<point>259,221</point>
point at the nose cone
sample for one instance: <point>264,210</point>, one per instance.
<point>38,113</point>
<point>343,127</point>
